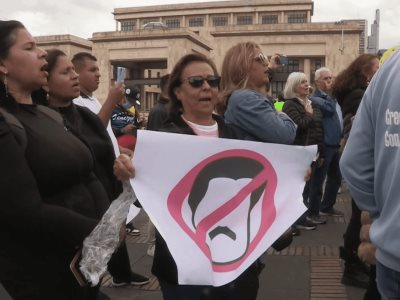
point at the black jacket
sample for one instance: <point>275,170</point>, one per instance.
<point>88,127</point>
<point>349,105</point>
<point>310,130</point>
<point>50,201</point>
<point>158,115</point>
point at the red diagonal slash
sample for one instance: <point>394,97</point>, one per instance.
<point>266,178</point>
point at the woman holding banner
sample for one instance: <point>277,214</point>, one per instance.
<point>193,91</point>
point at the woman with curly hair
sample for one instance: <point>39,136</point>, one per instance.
<point>348,89</point>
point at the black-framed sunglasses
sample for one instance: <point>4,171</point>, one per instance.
<point>198,81</point>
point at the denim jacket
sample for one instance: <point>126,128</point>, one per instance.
<point>332,117</point>
<point>256,117</point>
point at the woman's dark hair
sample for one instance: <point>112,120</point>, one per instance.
<point>7,40</point>
<point>40,96</point>
<point>175,81</point>
<point>354,76</point>
<point>52,57</point>
<point>7,36</point>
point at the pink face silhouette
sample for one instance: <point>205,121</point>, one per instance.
<point>228,200</point>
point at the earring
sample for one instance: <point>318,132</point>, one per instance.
<point>5,84</point>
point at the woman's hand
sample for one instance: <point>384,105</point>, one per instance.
<point>308,108</point>
<point>274,62</point>
<point>308,174</point>
<point>123,167</point>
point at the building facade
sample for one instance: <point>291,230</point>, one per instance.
<point>211,28</point>
<point>373,39</point>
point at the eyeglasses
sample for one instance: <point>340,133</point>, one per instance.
<point>198,81</point>
<point>261,58</point>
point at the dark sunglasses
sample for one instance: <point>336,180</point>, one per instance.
<point>198,81</point>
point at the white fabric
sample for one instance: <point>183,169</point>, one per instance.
<point>218,203</point>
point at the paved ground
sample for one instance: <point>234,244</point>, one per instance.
<point>309,269</point>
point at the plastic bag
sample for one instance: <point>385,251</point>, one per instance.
<point>103,240</point>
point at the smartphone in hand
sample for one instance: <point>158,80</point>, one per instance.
<point>283,60</point>
<point>121,72</point>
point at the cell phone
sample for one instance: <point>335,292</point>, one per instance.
<point>283,60</point>
<point>74,266</point>
<point>121,74</point>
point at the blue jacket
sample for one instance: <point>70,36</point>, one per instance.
<point>332,117</point>
<point>370,162</point>
<point>257,119</point>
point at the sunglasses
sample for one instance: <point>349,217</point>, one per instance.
<point>198,81</point>
<point>261,58</point>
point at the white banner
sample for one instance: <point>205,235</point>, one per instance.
<point>218,203</point>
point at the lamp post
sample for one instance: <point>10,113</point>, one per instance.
<point>341,23</point>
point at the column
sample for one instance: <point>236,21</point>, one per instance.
<point>307,69</point>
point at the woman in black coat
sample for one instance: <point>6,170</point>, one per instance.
<point>50,198</point>
<point>310,131</point>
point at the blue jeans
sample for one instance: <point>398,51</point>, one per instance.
<point>313,191</point>
<point>388,281</point>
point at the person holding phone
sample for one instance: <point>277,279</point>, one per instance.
<point>245,79</point>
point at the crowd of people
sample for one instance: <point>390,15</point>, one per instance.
<point>65,157</point>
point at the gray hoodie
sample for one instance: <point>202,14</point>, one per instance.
<point>371,160</point>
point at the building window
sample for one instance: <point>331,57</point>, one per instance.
<point>220,21</point>
<point>293,65</point>
<point>148,73</point>
<point>281,75</point>
<point>128,25</point>
<point>297,18</point>
<point>244,20</point>
<point>316,63</point>
<point>196,22</point>
<point>173,23</point>
<point>144,22</point>
<point>269,19</point>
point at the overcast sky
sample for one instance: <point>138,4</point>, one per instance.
<point>83,17</point>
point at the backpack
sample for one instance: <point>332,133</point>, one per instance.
<point>18,129</point>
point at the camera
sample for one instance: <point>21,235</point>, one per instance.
<point>283,60</point>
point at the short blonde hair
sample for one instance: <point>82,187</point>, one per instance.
<point>292,82</point>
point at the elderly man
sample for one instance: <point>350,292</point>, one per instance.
<point>333,126</point>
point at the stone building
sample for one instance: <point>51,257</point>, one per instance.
<point>211,28</point>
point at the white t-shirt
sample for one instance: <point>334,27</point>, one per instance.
<point>94,105</point>
<point>203,130</point>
